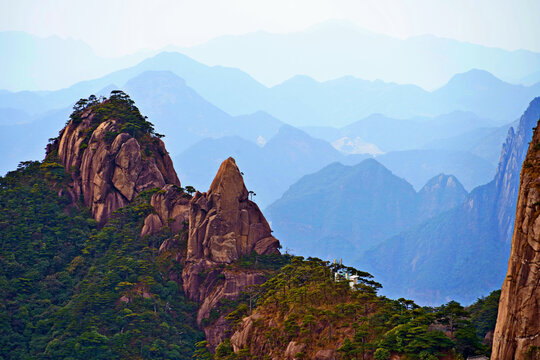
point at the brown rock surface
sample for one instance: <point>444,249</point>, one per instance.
<point>107,175</point>
<point>172,206</point>
<point>223,226</point>
<point>325,355</point>
<point>517,332</point>
<point>293,348</point>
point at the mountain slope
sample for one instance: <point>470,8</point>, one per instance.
<point>341,211</point>
<point>516,332</point>
<point>472,239</point>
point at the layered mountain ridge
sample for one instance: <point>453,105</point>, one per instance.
<point>349,209</point>
<point>483,224</point>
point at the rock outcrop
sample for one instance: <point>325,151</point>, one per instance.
<point>171,206</point>
<point>109,167</point>
<point>517,333</point>
<point>224,225</point>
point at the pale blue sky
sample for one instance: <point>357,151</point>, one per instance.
<point>116,27</point>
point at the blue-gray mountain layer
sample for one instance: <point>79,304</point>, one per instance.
<point>460,254</point>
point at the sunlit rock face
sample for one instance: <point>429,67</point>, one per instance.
<point>224,225</point>
<point>108,167</point>
<point>517,333</point>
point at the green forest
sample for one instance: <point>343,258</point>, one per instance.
<point>72,289</point>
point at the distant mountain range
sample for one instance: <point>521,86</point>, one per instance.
<point>418,166</point>
<point>268,170</point>
<point>338,48</point>
<point>178,110</point>
<point>341,211</point>
<point>37,63</point>
<point>271,169</point>
<point>370,217</point>
<point>465,250</point>
<point>391,134</point>
<point>302,101</point>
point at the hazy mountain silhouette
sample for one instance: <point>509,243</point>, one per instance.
<point>418,166</point>
<point>45,63</point>
<point>460,254</point>
<point>337,48</point>
<point>341,211</point>
<point>268,170</point>
<point>391,134</point>
<point>302,101</point>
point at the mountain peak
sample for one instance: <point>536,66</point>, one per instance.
<point>112,154</point>
<point>229,181</point>
<point>475,78</point>
<point>442,181</point>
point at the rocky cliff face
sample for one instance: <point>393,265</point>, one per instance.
<point>109,167</point>
<point>517,333</point>
<point>224,225</point>
<point>506,180</point>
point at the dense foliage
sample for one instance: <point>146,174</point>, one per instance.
<point>483,313</point>
<point>39,238</point>
<point>72,291</point>
<point>319,304</point>
<point>118,106</point>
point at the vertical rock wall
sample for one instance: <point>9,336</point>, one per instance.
<point>517,333</point>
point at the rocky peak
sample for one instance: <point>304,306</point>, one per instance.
<point>506,180</point>
<point>441,193</point>
<point>224,225</point>
<point>517,333</point>
<point>112,154</point>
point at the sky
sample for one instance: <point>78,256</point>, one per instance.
<point>119,27</point>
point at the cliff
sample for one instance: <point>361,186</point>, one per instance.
<point>111,152</point>
<point>224,225</point>
<point>517,333</point>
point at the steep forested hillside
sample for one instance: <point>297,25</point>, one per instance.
<point>76,288</point>
<point>71,289</point>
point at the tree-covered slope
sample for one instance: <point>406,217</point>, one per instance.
<point>312,309</point>
<point>71,290</point>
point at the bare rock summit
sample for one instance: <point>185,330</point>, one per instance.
<point>224,225</point>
